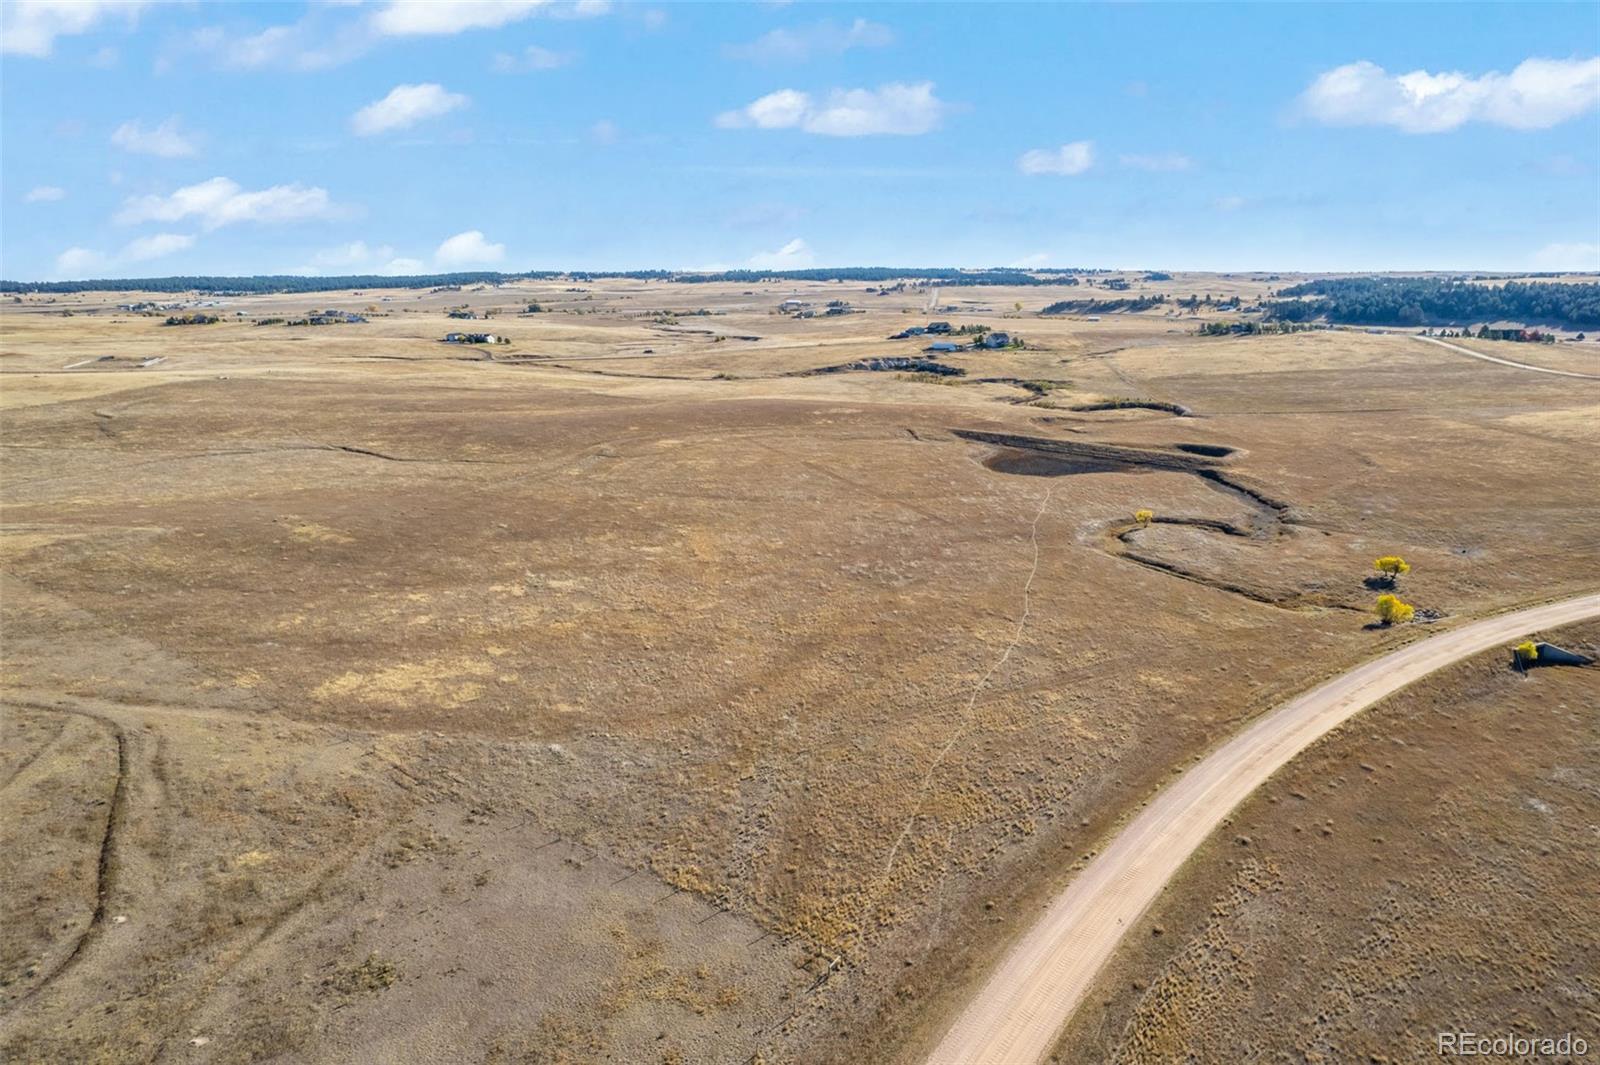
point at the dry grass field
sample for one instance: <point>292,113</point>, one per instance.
<point>1429,868</point>
<point>630,692</point>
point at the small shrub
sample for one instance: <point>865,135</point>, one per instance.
<point>1527,652</point>
<point>1393,567</point>
<point>1144,517</point>
<point>1391,611</point>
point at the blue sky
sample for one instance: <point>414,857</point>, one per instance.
<point>153,139</point>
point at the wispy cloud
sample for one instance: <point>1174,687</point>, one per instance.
<point>1571,255</point>
<point>1538,94</point>
<point>327,37</point>
<point>359,257</point>
<point>316,42</point>
<point>156,246</point>
<point>1065,161</point>
<point>795,255</point>
<point>530,59</point>
<point>1168,162</point>
<point>165,140</point>
<point>405,106</point>
<point>81,263</point>
<point>895,109</point>
<point>798,44</point>
<point>222,202</point>
<point>45,194</point>
<point>410,18</point>
<point>30,27</point>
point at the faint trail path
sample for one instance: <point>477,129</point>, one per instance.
<point>1507,362</point>
<point>1020,1012</point>
<point>977,689</point>
<point>875,890</point>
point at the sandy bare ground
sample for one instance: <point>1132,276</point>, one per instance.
<point>1019,1013</point>
<point>1507,362</point>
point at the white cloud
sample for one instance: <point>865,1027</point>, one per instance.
<point>418,17</point>
<point>1229,203</point>
<point>1568,256</point>
<point>221,202</point>
<point>325,37</point>
<point>1038,258</point>
<point>406,105</point>
<point>104,58</point>
<point>893,109</point>
<point>604,132</point>
<point>44,194</point>
<point>905,110</point>
<point>1066,160</point>
<point>529,59</point>
<point>467,249</point>
<point>1538,94</point>
<point>30,27</point>
<point>1169,162</point>
<point>165,140</point>
<point>795,255</point>
<point>313,43</point>
<point>359,257</point>
<point>79,263</point>
<point>581,9</point>
<point>351,256</point>
<point>155,246</point>
<point>822,38</point>
<point>776,110</point>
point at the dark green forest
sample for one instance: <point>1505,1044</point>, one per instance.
<point>1438,301</point>
<point>1134,305</point>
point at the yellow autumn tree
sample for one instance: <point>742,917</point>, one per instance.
<point>1392,566</point>
<point>1144,517</point>
<point>1391,611</point>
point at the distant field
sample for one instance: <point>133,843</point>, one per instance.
<point>630,690</point>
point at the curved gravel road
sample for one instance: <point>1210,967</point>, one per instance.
<point>1020,1012</point>
<point>1508,362</point>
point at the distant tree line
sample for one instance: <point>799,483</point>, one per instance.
<point>291,283</point>
<point>949,276</point>
<point>1430,300</point>
<point>240,286</point>
<point>1253,328</point>
<point>1139,303</point>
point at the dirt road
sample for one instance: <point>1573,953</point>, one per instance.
<point>1507,362</point>
<point>1019,1013</point>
